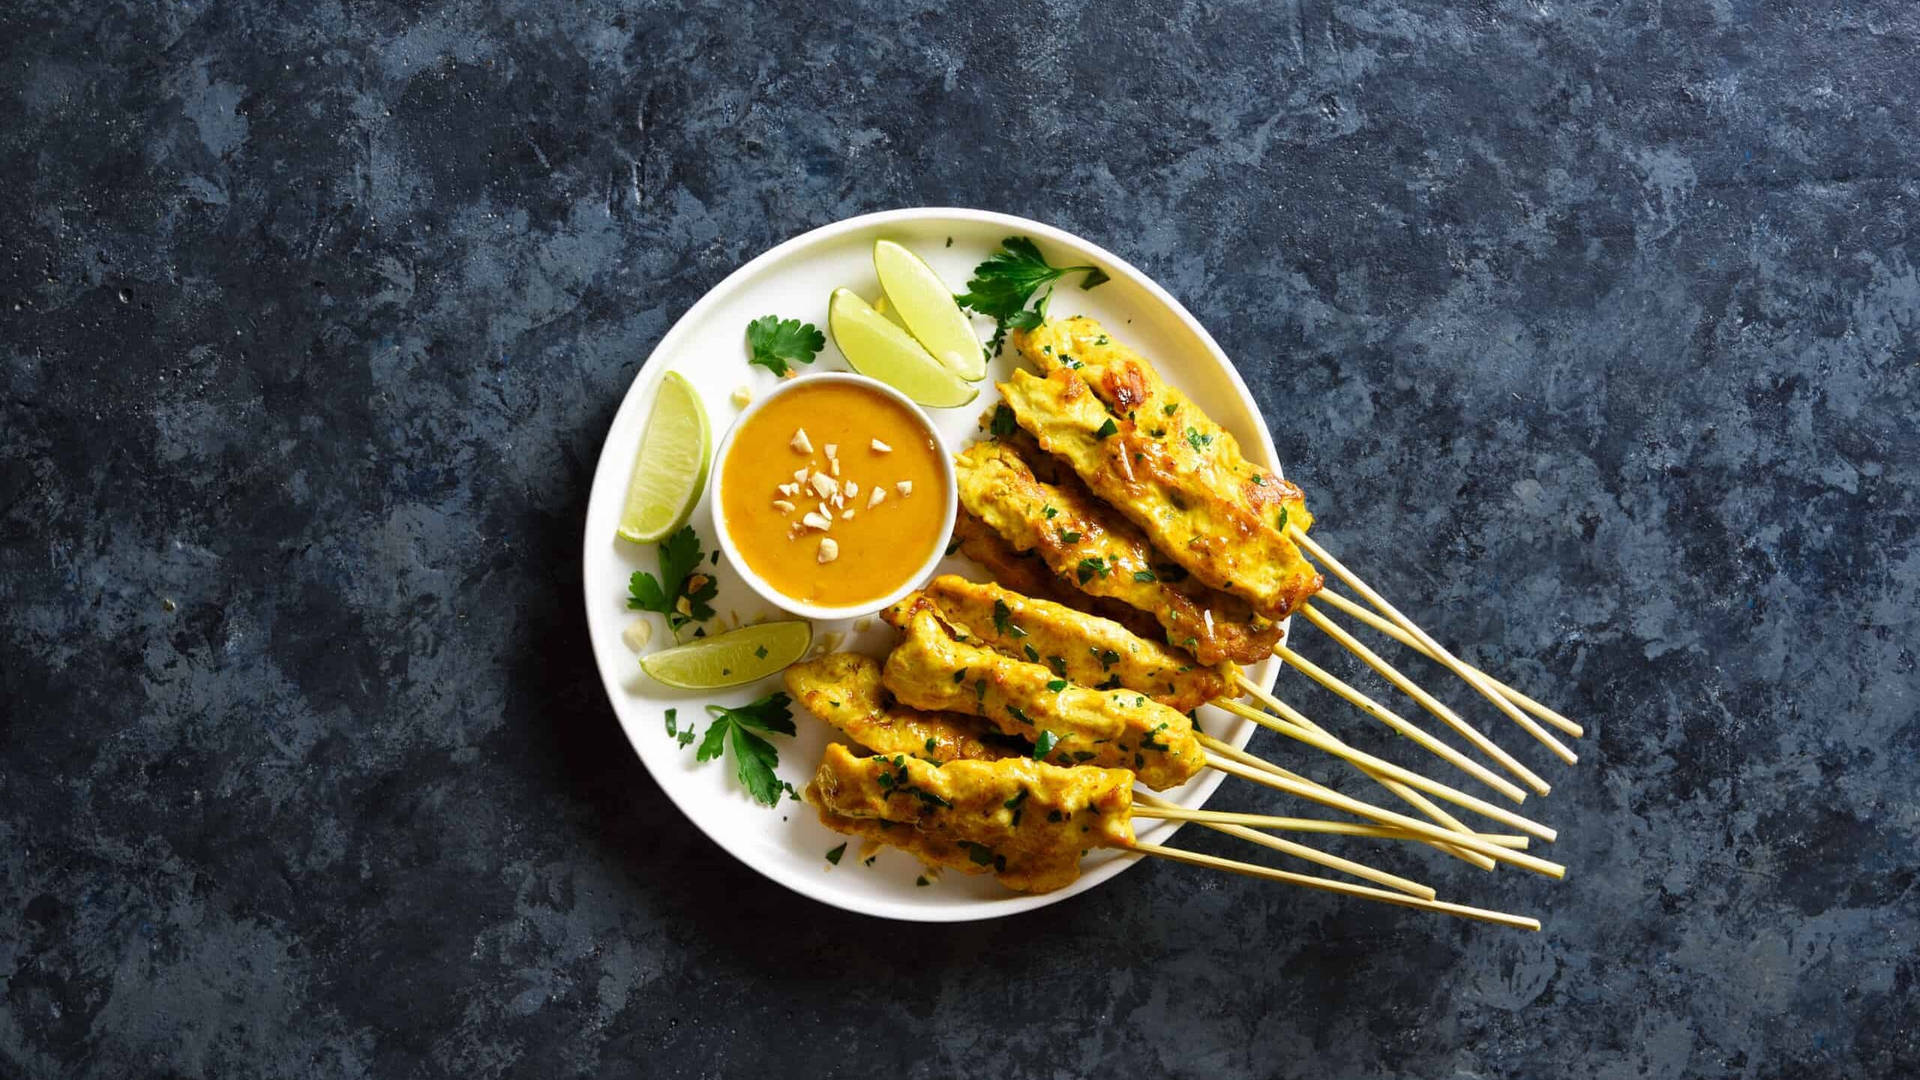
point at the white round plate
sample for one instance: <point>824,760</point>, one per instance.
<point>707,346</point>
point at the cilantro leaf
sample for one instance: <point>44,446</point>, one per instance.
<point>834,855</point>
<point>773,343</point>
<point>715,743</point>
<point>771,713</point>
<point>1002,285</point>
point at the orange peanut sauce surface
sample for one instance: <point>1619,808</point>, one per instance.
<point>882,545</point>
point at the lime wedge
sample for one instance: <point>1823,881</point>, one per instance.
<point>927,307</point>
<point>738,656</point>
<point>877,348</point>
<point>671,467</point>
<point>880,305</point>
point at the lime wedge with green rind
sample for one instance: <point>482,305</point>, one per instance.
<point>879,349</point>
<point>671,468</point>
<point>927,307</point>
<point>734,658</point>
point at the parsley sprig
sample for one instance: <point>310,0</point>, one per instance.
<point>1002,285</point>
<point>679,593</point>
<point>774,343</point>
<point>754,758</point>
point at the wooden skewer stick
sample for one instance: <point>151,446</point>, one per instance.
<point>1243,826</point>
<point>1339,828</point>
<point>1336,801</point>
<point>1472,676</point>
<point>1387,627</point>
<point>1386,716</point>
<point>1211,862</point>
<point>1427,701</point>
<point>1413,798</point>
<point>1328,744</point>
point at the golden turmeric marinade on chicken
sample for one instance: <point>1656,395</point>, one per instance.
<point>1085,542</point>
<point>1162,463</point>
<point>1025,821</point>
<point>1024,572</point>
<point>1079,647</point>
<point>844,690</point>
<point>1068,724</point>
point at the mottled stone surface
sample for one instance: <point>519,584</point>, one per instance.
<point>1591,327</point>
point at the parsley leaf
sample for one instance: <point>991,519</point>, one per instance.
<point>1003,620</point>
<point>1197,440</point>
<point>773,343</point>
<point>1283,519</point>
<point>680,556</point>
<point>1089,567</point>
<point>1106,429</point>
<point>754,758</point>
<point>1044,745</point>
<point>1004,423</point>
<point>1002,285</point>
<point>834,855</point>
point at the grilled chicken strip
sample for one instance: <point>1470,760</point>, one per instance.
<point>1076,646</point>
<point>844,690</point>
<point>1025,821</point>
<point>1025,573</point>
<point>1164,465</point>
<point>1069,724</point>
<point>1087,543</point>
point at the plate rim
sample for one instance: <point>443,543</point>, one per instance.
<point>649,373</point>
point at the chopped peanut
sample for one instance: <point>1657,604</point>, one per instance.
<point>850,489</point>
<point>783,506</point>
<point>816,521</point>
<point>829,549</point>
<point>832,449</point>
<point>823,485</point>
<point>741,395</point>
<point>876,496</point>
<point>800,443</point>
<point>881,448</point>
<point>847,514</point>
<point>904,487</point>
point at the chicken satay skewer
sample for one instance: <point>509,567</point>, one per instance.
<point>1001,487</point>
<point>1182,489</point>
<point>1393,631</point>
<point>843,689</point>
<point>1435,649</point>
<point>1083,648</point>
<point>930,670</point>
<point>1027,822</point>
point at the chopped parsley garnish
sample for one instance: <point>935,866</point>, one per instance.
<point>1106,429</point>
<point>754,757</point>
<point>1169,409</point>
<point>1003,620</point>
<point>980,689</point>
<point>1056,685</point>
<point>1144,576</point>
<point>773,343</point>
<point>1033,654</point>
<point>1283,519</point>
<point>1017,804</point>
<point>1015,712</point>
<point>960,676</point>
<point>1149,741</point>
<point>834,855</point>
<point>760,653</point>
<point>1197,440</point>
<point>932,745</point>
<point>1068,536</point>
<point>1003,422</point>
<point>1058,664</point>
<point>1107,657</point>
<point>1090,567</point>
<point>981,854</point>
<point>922,881</point>
<point>1049,513</point>
<point>1002,285</point>
<point>1044,745</point>
<point>679,593</point>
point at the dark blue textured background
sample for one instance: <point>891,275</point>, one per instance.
<point>1591,328</point>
